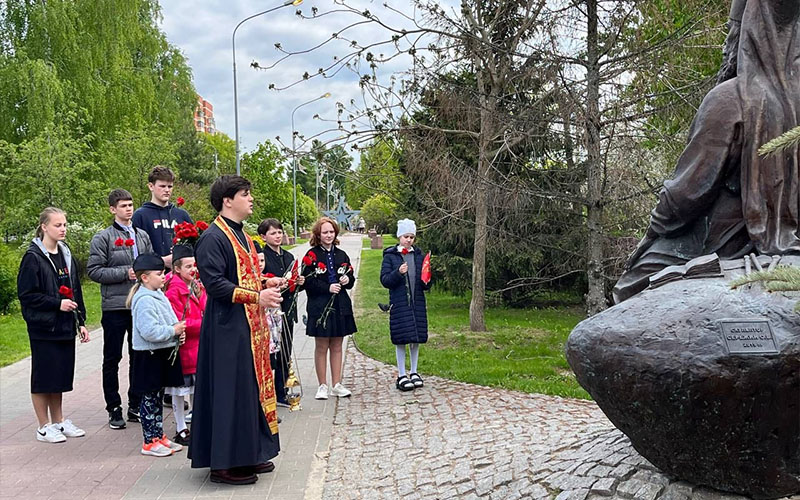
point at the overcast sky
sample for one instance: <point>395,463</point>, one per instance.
<point>202,30</point>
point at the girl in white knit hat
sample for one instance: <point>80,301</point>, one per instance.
<point>401,273</point>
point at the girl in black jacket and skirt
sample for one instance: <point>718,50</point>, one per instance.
<point>49,289</point>
<point>330,311</point>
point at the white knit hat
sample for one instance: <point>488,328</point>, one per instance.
<point>406,226</point>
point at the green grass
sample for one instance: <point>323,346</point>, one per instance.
<point>14,343</point>
<point>388,241</point>
<point>300,241</point>
<point>523,349</point>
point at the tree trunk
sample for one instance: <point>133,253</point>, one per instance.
<point>595,298</point>
<point>477,306</point>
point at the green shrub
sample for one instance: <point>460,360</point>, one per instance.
<point>380,212</point>
<point>9,266</point>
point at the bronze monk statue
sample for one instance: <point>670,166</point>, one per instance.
<point>724,198</point>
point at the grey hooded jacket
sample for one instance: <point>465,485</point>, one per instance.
<point>108,264</point>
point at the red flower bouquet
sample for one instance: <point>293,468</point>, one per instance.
<point>187,233</point>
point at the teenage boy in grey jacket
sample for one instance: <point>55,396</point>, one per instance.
<point>111,256</point>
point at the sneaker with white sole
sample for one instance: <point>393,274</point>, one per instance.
<point>188,417</point>
<point>172,445</point>
<point>322,392</point>
<point>50,433</point>
<point>70,430</point>
<point>340,391</point>
<point>156,449</point>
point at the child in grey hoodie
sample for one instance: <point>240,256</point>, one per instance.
<point>156,335</point>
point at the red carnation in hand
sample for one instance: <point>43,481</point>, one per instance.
<point>269,275</point>
<point>322,266</point>
<point>66,292</point>
<point>180,201</point>
<point>201,225</point>
<point>129,242</point>
<point>404,251</point>
<point>119,242</point>
<point>307,261</point>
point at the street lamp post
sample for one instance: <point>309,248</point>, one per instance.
<point>286,3</point>
<point>294,159</point>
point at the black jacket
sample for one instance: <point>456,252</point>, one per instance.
<point>318,289</point>
<point>37,288</point>
<point>159,223</point>
<point>408,323</point>
<point>279,265</point>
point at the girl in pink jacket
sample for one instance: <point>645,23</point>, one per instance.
<point>188,299</point>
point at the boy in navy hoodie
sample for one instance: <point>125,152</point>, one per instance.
<point>158,217</point>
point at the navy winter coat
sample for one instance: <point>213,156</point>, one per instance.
<point>407,324</point>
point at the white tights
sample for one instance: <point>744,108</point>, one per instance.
<point>400,353</point>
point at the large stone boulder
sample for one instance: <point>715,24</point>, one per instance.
<point>658,366</point>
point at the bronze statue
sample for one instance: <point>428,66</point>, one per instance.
<point>724,198</point>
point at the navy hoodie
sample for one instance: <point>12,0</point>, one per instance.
<point>159,223</point>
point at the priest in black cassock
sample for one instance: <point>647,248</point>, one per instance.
<point>234,423</point>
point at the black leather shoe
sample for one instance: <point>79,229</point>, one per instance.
<point>264,468</point>
<point>231,476</point>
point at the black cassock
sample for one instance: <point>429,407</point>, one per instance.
<point>228,424</point>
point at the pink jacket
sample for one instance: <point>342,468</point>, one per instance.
<point>178,293</point>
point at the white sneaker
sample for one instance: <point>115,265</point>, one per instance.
<point>156,449</point>
<point>340,391</point>
<point>50,433</point>
<point>172,445</point>
<point>322,392</point>
<point>188,417</point>
<point>69,429</point>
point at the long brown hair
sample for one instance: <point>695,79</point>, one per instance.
<point>316,231</point>
<point>44,218</point>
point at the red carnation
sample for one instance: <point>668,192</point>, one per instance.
<point>66,292</point>
<point>269,275</point>
<point>312,256</point>
<point>307,261</point>
<point>175,240</point>
<point>404,251</point>
<point>201,225</point>
<point>119,242</point>
<point>322,266</point>
<point>181,201</point>
<point>129,242</point>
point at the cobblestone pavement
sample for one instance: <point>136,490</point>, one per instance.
<point>456,440</point>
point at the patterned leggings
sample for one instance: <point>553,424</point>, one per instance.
<point>151,413</point>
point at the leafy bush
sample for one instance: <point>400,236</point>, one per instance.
<point>9,266</point>
<point>381,213</point>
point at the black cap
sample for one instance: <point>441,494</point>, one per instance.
<point>181,252</point>
<point>258,247</point>
<point>148,262</point>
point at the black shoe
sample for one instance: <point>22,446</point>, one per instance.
<point>182,437</point>
<point>167,399</point>
<point>133,415</point>
<point>404,384</point>
<point>115,420</point>
<point>233,476</point>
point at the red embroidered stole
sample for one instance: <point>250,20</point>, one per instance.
<point>247,272</point>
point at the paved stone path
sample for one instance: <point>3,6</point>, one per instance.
<point>456,440</point>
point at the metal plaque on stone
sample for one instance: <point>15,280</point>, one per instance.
<point>748,336</point>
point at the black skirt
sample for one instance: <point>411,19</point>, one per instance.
<point>52,366</point>
<point>153,370</point>
<point>337,325</point>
